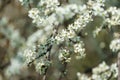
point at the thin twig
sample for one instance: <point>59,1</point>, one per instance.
<point>44,77</point>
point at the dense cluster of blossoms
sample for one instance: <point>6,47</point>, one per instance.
<point>64,35</point>
<point>115,45</point>
<point>29,55</point>
<point>115,16</point>
<point>44,15</point>
<point>97,7</point>
<point>34,14</point>
<point>78,48</point>
<point>49,15</point>
<point>48,5</point>
<point>64,55</point>
<point>42,65</point>
<point>101,72</point>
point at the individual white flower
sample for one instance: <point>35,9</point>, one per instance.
<point>115,45</point>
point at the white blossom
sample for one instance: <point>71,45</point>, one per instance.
<point>96,32</point>
<point>97,6</point>
<point>34,13</point>
<point>79,48</point>
<point>42,65</point>
<point>95,76</point>
<point>114,69</point>
<point>64,55</point>
<point>82,76</point>
<point>82,21</point>
<point>115,45</point>
<point>115,16</point>
<point>65,34</point>
<point>29,55</point>
<point>59,38</point>
<point>101,68</point>
<point>103,71</point>
<point>49,5</point>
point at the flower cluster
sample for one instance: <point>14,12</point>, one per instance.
<point>39,57</point>
<point>48,5</point>
<point>34,14</point>
<point>42,65</point>
<point>101,72</point>
<point>82,76</point>
<point>102,67</point>
<point>64,55</point>
<point>97,6</point>
<point>65,34</point>
<point>40,14</point>
<point>29,55</point>
<point>115,16</point>
<point>79,49</point>
<point>79,24</point>
<point>115,45</point>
